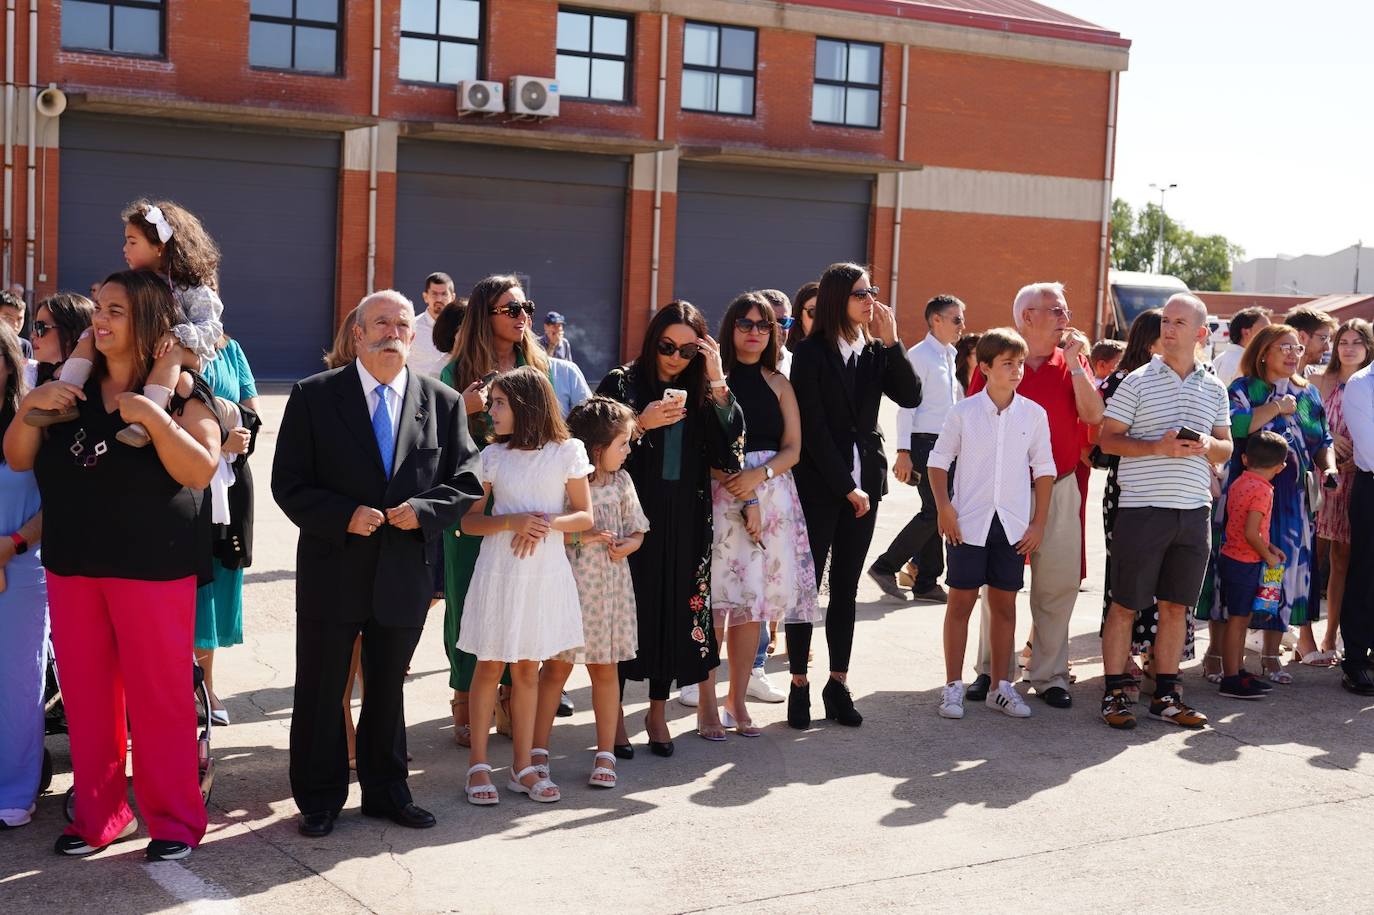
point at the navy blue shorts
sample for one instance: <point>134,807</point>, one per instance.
<point>1240,582</point>
<point>996,564</point>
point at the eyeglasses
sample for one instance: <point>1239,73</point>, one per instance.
<point>513,310</point>
<point>667,347</point>
<point>1059,311</point>
<point>41,328</point>
<point>744,325</point>
<point>863,293</point>
<point>786,323</point>
<point>1292,349</point>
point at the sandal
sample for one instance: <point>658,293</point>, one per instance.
<point>541,768</point>
<point>462,733</point>
<point>1278,674</point>
<point>602,777</point>
<point>1320,659</point>
<point>1211,676</point>
<point>503,714</point>
<point>481,795</point>
<point>709,731</point>
<point>536,791</point>
<point>745,729</point>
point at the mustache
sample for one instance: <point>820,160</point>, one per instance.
<point>387,346</point>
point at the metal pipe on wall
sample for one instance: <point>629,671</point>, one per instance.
<point>373,138</point>
<point>32,118</point>
<point>7,251</point>
<point>658,162</point>
<point>901,157</point>
<point>1104,239</point>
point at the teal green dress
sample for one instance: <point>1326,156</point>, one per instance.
<point>219,605</point>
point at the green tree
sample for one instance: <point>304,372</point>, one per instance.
<point>1201,261</point>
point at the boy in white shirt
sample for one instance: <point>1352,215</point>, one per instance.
<point>997,517</point>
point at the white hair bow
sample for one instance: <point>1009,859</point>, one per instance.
<point>155,218</point>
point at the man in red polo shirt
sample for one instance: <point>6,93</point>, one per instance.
<point>1058,378</point>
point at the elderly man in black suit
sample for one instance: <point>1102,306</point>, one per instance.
<point>373,460</point>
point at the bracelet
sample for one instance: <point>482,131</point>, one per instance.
<point>717,385</point>
<point>1077,370</point>
<point>749,502</point>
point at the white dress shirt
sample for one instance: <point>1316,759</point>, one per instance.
<point>1357,404</point>
<point>850,351</point>
<point>395,395</point>
<point>1227,365</point>
<point>424,357</point>
<point>934,363</point>
<point>999,453</point>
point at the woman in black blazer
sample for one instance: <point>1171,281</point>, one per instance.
<point>840,372</point>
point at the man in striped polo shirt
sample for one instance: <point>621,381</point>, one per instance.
<point>1169,421</point>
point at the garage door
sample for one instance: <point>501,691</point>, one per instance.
<point>742,229</point>
<point>556,218</point>
<point>269,199</point>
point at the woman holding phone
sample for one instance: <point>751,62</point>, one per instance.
<point>840,374</point>
<point>688,424</point>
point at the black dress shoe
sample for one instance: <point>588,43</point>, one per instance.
<point>410,816</point>
<point>839,704</point>
<point>662,748</point>
<point>799,707</point>
<point>978,690</point>
<point>1056,697</point>
<point>565,706</point>
<point>1361,684</point>
<point>316,825</point>
<point>624,751</point>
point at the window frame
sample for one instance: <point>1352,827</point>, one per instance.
<point>439,38</point>
<point>847,83</point>
<point>159,5</point>
<point>718,70</point>
<point>590,54</point>
<point>294,22</point>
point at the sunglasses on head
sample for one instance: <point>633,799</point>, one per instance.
<point>862,293</point>
<point>745,325</point>
<point>41,328</point>
<point>667,347</point>
<point>513,310</point>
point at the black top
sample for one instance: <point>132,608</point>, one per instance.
<point>762,412</point>
<point>111,511</point>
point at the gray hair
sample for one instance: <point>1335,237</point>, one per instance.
<point>1029,295</point>
<point>1187,298</point>
<point>383,295</point>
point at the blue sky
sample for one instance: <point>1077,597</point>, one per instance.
<point>1262,112</point>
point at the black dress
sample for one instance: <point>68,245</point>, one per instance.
<point>671,468</point>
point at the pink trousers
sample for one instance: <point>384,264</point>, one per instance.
<point>125,645</point>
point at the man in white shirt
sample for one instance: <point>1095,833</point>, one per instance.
<point>1357,610</point>
<point>424,355</point>
<point>1243,325</point>
<point>933,360</point>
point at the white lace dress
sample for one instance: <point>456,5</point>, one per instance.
<point>525,609</point>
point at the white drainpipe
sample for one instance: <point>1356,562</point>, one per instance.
<point>658,162</point>
<point>6,253</point>
<point>373,140</point>
<point>901,175</point>
<point>33,145</point>
<point>1108,171</point>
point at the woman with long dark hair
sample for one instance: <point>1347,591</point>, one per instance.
<point>840,374</point>
<point>58,323</point>
<point>804,310</point>
<point>682,438</point>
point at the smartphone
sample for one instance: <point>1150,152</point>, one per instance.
<point>1188,435</point>
<point>675,396</point>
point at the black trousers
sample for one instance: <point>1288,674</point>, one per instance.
<point>834,532</point>
<point>1357,608</point>
<point>920,539</point>
<point>319,747</point>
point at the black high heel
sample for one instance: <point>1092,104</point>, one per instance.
<point>624,751</point>
<point>799,707</point>
<point>661,748</point>
<point>839,704</point>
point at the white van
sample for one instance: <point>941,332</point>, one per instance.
<point>1132,293</point>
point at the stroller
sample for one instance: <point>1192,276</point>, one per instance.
<point>55,722</point>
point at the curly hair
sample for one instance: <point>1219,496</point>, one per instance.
<point>597,422</point>
<point>190,257</point>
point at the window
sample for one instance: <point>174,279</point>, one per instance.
<point>118,26</point>
<point>848,87</point>
<point>593,56</point>
<point>300,35</point>
<point>441,40</point>
<point>718,69</point>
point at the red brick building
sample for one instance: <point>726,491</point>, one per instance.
<point>700,147</point>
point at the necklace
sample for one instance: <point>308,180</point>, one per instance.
<point>78,448</point>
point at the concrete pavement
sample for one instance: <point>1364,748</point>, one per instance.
<point>1267,810</point>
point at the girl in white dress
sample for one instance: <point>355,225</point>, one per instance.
<point>522,606</point>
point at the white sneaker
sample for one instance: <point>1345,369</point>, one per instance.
<point>15,817</point>
<point>952,700</point>
<point>761,689</point>
<point>1008,701</point>
<point>690,695</point>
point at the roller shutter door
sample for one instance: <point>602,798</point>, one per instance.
<point>269,199</point>
<point>740,229</point>
<point>556,218</point>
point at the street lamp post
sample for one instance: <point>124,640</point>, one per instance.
<point>1163,189</point>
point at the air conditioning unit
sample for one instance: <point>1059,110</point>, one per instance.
<point>534,96</point>
<point>479,96</point>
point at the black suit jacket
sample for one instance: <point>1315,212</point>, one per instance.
<point>837,414</point>
<point>327,464</point>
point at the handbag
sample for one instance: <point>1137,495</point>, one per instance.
<point>1315,496</point>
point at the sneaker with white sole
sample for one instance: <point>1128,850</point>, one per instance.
<point>952,700</point>
<point>14,817</point>
<point>690,695</point>
<point>761,689</point>
<point>1008,701</point>
<point>77,847</point>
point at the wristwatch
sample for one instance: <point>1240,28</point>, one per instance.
<point>767,472</point>
<point>21,546</point>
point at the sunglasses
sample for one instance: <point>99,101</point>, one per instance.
<point>863,293</point>
<point>786,323</point>
<point>1292,349</point>
<point>41,328</point>
<point>744,325</point>
<point>513,310</point>
<point>810,312</point>
<point>667,347</point>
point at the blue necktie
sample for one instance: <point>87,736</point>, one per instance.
<point>381,428</point>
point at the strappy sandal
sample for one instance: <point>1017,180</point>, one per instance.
<point>536,791</point>
<point>1278,674</point>
<point>541,768</point>
<point>1211,676</point>
<point>462,733</point>
<point>481,795</point>
<point>744,730</point>
<point>1320,658</point>
<point>601,776</point>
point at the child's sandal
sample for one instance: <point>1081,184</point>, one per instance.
<point>536,791</point>
<point>542,769</point>
<point>603,777</point>
<point>481,795</point>
<point>462,733</point>
<point>1211,675</point>
<point>1278,674</point>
